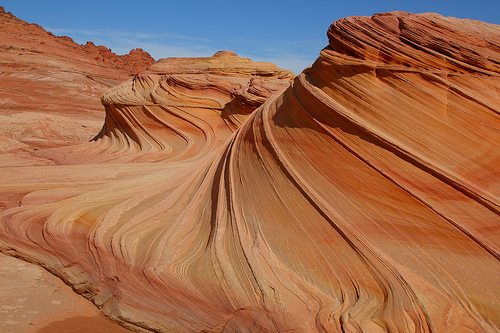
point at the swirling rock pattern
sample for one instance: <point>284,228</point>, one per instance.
<point>181,107</point>
<point>177,109</point>
<point>364,198</point>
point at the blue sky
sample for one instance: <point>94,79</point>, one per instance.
<point>289,33</point>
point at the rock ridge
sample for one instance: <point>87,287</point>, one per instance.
<point>51,85</point>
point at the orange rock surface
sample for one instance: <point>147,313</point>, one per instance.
<point>50,86</point>
<point>176,109</point>
<point>364,198</point>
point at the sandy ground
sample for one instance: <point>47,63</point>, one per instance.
<point>34,301</point>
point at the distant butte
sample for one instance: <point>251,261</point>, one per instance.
<point>222,62</point>
<point>359,196</point>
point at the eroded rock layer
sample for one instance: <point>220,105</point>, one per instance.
<point>362,199</point>
<point>181,107</point>
<point>177,109</point>
<point>50,86</point>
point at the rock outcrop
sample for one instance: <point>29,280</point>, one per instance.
<point>364,198</point>
<point>50,85</point>
<point>182,106</point>
<point>177,108</point>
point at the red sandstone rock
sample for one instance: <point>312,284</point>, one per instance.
<point>365,198</point>
<point>50,85</point>
<point>178,108</point>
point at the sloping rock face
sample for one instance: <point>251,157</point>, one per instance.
<point>364,198</point>
<point>178,108</point>
<point>50,86</point>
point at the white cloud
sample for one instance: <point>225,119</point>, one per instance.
<point>127,35</point>
<point>296,65</point>
<point>291,55</point>
<point>159,50</point>
<point>158,45</point>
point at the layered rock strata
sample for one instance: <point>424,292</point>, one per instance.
<point>364,198</point>
<point>177,109</point>
<point>50,86</point>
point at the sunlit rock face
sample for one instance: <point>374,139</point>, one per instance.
<point>177,109</point>
<point>364,198</point>
<point>50,86</point>
<point>182,107</point>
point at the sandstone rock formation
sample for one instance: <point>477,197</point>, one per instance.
<point>50,86</point>
<point>364,198</point>
<point>177,108</point>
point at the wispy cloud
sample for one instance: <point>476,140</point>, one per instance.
<point>161,50</point>
<point>121,34</point>
<point>159,45</point>
<point>291,55</point>
<point>294,63</point>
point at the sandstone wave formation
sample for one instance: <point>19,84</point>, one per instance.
<point>363,198</point>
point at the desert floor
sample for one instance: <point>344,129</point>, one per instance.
<point>34,301</point>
